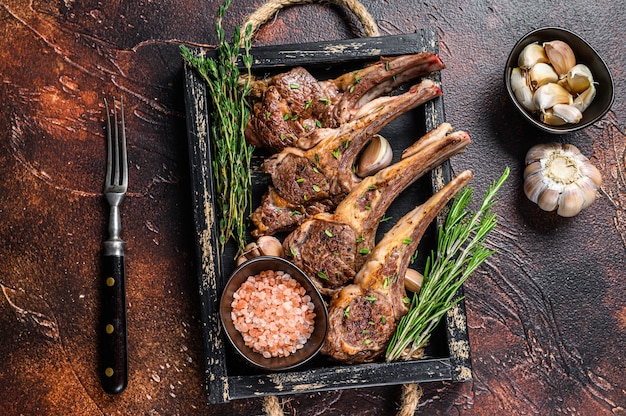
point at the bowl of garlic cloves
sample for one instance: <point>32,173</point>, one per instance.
<point>557,81</point>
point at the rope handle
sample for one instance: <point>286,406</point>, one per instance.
<point>267,11</point>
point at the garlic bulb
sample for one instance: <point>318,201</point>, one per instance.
<point>559,177</point>
<point>376,156</point>
<point>264,246</point>
<point>547,76</point>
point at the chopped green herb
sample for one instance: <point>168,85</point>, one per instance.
<point>322,275</point>
<point>336,153</point>
<point>307,105</point>
<point>364,251</point>
<point>293,252</point>
<point>300,180</point>
<point>316,188</point>
<point>328,233</point>
<point>294,86</point>
<point>407,241</point>
<point>286,117</point>
<point>324,100</point>
<point>371,298</point>
<point>346,312</point>
<point>318,123</point>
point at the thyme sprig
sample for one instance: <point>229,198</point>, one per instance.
<point>460,251</point>
<point>230,111</point>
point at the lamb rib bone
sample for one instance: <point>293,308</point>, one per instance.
<point>331,247</point>
<point>363,316</point>
<point>293,104</point>
<point>321,176</point>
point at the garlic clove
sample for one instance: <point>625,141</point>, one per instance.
<point>534,185</point>
<point>376,156</point>
<point>548,95</point>
<point>413,280</point>
<point>531,54</point>
<point>588,189</point>
<point>567,112</point>
<point>521,89</point>
<point>592,173</point>
<point>265,246</point>
<point>549,199</point>
<point>579,78</point>
<point>583,100</point>
<point>538,151</point>
<point>548,117</point>
<point>561,56</point>
<point>541,74</point>
<point>571,201</point>
<point>532,168</point>
<point>270,246</point>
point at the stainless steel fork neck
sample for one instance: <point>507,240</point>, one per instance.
<point>114,245</point>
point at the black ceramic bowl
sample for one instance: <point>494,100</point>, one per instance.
<point>585,54</point>
<point>311,347</point>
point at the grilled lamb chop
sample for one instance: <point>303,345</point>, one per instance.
<point>306,182</point>
<point>363,316</point>
<point>294,104</point>
<point>331,248</point>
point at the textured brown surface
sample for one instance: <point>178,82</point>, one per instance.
<point>547,314</point>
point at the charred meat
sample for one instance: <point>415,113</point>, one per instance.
<point>364,315</point>
<point>295,104</point>
<point>331,247</point>
<point>305,182</point>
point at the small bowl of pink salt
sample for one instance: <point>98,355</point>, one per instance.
<point>273,314</point>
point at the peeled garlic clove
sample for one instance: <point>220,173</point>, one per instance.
<point>568,113</point>
<point>413,280</point>
<point>561,56</point>
<point>571,201</point>
<point>521,89</point>
<point>579,78</point>
<point>583,100</point>
<point>531,55</point>
<point>548,95</point>
<point>376,156</point>
<point>559,177</point>
<point>541,74</point>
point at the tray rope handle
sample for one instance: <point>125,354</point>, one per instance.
<point>268,10</point>
<point>411,393</point>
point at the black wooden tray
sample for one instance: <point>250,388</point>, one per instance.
<point>228,377</point>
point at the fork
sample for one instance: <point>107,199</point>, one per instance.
<point>114,356</point>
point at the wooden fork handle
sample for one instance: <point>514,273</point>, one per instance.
<point>113,348</point>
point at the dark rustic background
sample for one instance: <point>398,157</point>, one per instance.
<point>547,314</point>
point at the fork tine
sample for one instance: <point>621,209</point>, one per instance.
<point>116,155</point>
<point>123,156</point>
<point>109,164</point>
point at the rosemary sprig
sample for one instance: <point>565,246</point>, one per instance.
<point>229,112</point>
<point>460,251</point>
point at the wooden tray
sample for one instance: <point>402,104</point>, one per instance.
<point>227,376</point>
